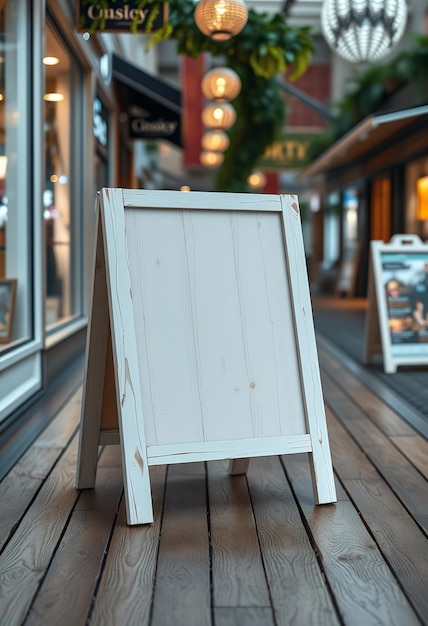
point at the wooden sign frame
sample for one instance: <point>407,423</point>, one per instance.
<point>201,343</point>
<point>390,328</point>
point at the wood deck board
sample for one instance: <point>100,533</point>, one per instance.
<point>298,591</point>
<point>415,448</point>
<point>380,413</point>
<point>225,551</point>
<point>182,585</point>
<point>403,477</point>
<point>21,484</point>
<point>27,555</point>
<point>237,568</point>
<point>125,591</point>
<point>243,616</point>
<point>73,571</point>
<point>350,558</point>
<point>406,482</point>
<point>400,539</point>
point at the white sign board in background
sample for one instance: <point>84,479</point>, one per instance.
<point>397,314</point>
<point>201,308</point>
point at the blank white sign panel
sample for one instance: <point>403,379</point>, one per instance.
<point>214,328</point>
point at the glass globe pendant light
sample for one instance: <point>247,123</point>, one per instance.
<point>221,84</point>
<point>219,116</point>
<point>210,158</point>
<point>363,31</point>
<point>256,180</point>
<point>215,140</point>
<point>221,19</point>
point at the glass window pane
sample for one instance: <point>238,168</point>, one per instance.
<point>62,77</point>
<point>15,226</point>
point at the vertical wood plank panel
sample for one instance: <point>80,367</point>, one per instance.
<point>267,323</point>
<point>164,327</point>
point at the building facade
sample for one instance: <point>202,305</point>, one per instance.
<point>369,184</point>
<point>62,138</point>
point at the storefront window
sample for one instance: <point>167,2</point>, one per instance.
<point>15,225</point>
<point>61,218</point>
<point>350,217</point>
<point>100,128</point>
<point>416,209</point>
<point>331,230</point>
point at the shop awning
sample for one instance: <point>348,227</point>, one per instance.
<point>154,106</point>
<point>365,137</point>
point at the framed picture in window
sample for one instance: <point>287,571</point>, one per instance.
<point>7,307</point>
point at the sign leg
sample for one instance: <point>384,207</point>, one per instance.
<point>96,351</point>
<point>238,466</point>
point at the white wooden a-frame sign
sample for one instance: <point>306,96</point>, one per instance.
<point>389,325</point>
<point>201,343</point>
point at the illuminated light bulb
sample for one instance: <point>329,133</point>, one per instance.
<point>215,140</point>
<point>221,84</point>
<point>221,19</point>
<point>219,116</point>
<point>50,60</point>
<point>211,159</point>
<point>53,97</point>
<point>256,180</point>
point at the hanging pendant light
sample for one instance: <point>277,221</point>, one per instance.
<point>219,116</point>
<point>221,84</point>
<point>221,19</point>
<point>210,158</point>
<point>256,180</point>
<point>363,31</point>
<point>215,140</point>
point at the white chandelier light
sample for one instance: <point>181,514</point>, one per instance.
<point>362,31</point>
<point>221,19</point>
<point>219,116</point>
<point>221,84</point>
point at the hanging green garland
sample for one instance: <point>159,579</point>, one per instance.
<point>266,48</point>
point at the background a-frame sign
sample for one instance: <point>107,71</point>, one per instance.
<point>397,314</point>
<point>201,343</point>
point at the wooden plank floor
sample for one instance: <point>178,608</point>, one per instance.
<point>225,551</point>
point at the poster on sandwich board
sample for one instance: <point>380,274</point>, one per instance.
<point>397,312</point>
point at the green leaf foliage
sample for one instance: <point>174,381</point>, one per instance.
<point>266,47</point>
